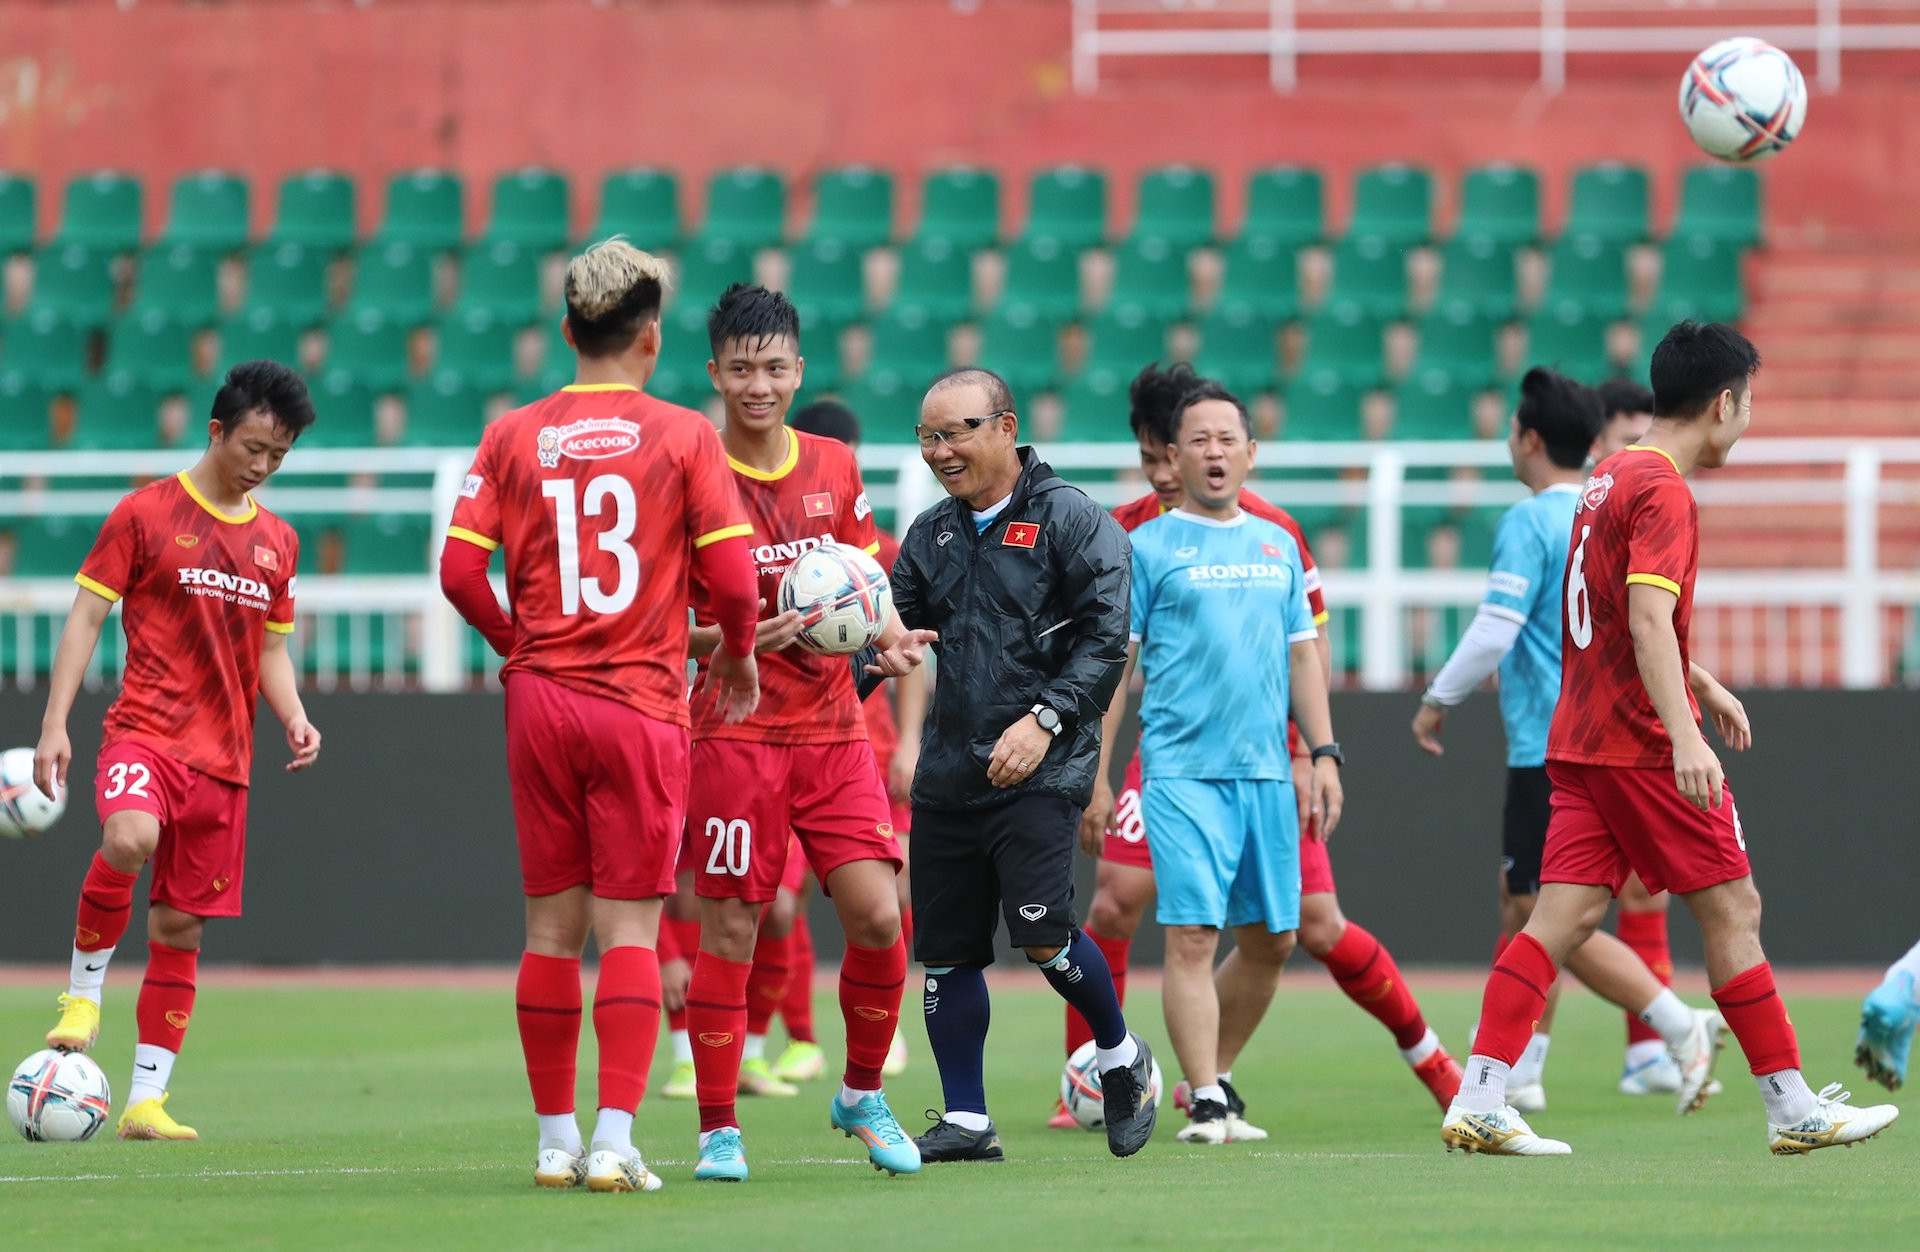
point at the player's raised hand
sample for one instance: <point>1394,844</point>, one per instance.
<point>1696,770</point>
<point>1329,798</point>
<point>1427,724</point>
<point>1096,818</point>
<point>770,634</point>
<point>304,741</point>
<point>907,652</point>
<point>50,761</point>
<point>733,681</point>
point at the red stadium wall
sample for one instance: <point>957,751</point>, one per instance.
<point>271,87</point>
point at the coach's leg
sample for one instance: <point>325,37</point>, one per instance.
<point>1244,984</point>
<point>1191,1005</point>
<point>873,972</point>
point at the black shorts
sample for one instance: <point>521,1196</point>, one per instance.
<point>1523,827</point>
<point>971,867</point>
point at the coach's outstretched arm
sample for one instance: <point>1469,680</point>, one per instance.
<point>1094,601</point>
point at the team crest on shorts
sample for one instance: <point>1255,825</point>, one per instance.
<point>1594,494</point>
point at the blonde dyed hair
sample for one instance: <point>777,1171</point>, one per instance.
<point>609,274</point>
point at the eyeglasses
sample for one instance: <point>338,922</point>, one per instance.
<point>929,437</point>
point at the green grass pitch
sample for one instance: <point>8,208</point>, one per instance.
<point>352,1118</point>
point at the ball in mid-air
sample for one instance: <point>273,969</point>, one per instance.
<point>1743,100</point>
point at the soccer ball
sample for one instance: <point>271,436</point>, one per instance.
<point>58,1097</point>
<point>24,812</point>
<point>1743,100</point>
<point>843,597</point>
<point>1080,1087</point>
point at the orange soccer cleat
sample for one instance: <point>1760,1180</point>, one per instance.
<point>1441,1074</point>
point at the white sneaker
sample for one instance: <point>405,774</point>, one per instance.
<point>1833,1121</point>
<point>896,1062</point>
<point>1208,1123</point>
<point>1694,1057</point>
<point>557,1167</point>
<point>619,1169</point>
<point>1502,1132</point>
<point>1528,1098</point>
<point>1657,1075</point>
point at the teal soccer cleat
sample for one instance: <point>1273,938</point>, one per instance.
<point>723,1158</point>
<point>872,1123</point>
<point>1887,1019</point>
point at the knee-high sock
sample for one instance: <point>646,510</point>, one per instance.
<point>1117,952</point>
<point>1516,993</point>
<point>1646,934</point>
<point>1080,974</point>
<point>1366,971</point>
<point>626,1024</point>
<point>1758,1019</point>
<point>546,999</point>
<point>796,1009</point>
<point>163,1011</point>
<point>767,984</point>
<point>717,1018</point>
<point>958,1014</point>
<point>871,983</point>
<point>106,902</point>
<point>686,942</point>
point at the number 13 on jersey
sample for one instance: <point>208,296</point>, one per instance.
<point>616,540</point>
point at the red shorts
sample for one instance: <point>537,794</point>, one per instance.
<point>599,791</point>
<point>1126,842</point>
<point>200,862</point>
<point>795,876</point>
<point>1609,820</point>
<point>748,801</point>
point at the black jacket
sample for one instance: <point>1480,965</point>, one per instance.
<point>1032,611</point>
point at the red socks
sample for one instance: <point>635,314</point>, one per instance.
<point>1366,971</point>
<point>1758,1019</point>
<point>683,938</point>
<point>1116,951</point>
<point>1516,996</point>
<point>796,1009</point>
<point>1646,934</point>
<point>871,980</point>
<point>106,901</point>
<point>626,1024</point>
<point>717,1018</point>
<point>546,998</point>
<point>166,994</point>
<point>767,984</point>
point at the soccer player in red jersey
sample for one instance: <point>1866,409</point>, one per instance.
<point>206,580</point>
<point>605,501</point>
<point>1635,784</point>
<point>1112,829</point>
<point>800,767</point>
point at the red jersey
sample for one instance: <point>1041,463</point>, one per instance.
<point>600,495</point>
<point>1636,522</point>
<point>1136,513</point>
<point>200,589</point>
<point>814,497</point>
<point>883,728</point>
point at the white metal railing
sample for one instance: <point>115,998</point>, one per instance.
<point>1284,31</point>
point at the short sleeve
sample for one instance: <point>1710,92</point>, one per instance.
<point>1310,579</point>
<point>1519,564</point>
<point>280,612</point>
<point>476,514</point>
<point>1140,607</point>
<point>1300,616</point>
<point>113,565</point>
<point>1660,536</point>
<point>714,511</point>
<point>856,518</point>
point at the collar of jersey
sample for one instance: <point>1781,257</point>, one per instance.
<point>1551,487</point>
<point>231,518</point>
<point>1647,447</point>
<point>774,475</point>
<point>599,387</point>
<point>1238,519</point>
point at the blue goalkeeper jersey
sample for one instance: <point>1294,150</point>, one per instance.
<point>1524,586</point>
<point>1216,606</point>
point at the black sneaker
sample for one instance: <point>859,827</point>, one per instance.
<point>1130,1109</point>
<point>950,1142</point>
<point>1207,1122</point>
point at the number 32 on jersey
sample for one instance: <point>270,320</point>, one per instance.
<point>593,501</point>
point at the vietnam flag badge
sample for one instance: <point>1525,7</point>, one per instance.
<point>819,504</point>
<point>1021,535</point>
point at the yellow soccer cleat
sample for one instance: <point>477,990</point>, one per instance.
<point>1502,1132</point>
<point>756,1079</point>
<point>79,1024</point>
<point>801,1062</point>
<point>1832,1123</point>
<point>149,1119</point>
<point>896,1062</point>
<point>681,1082</point>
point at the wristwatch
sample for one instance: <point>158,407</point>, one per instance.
<point>1330,750</point>
<point>1048,719</point>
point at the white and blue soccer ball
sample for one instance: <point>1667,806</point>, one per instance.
<point>1743,100</point>
<point>24,811</point>
<point>58,1097</point>
<point>843,597</point>
<point>1080,1087</point>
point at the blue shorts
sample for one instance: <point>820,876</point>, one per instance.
<point>1224,853</point>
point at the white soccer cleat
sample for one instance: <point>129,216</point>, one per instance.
<point>1528,1098</point>
<point>1502,1132</point>
<point>1832,1122</point>
<point>619,1169</point>
<point>1208,1123</point>
<point>1694,1057</point>
<point>1240,1130</point>
<point>557,1167</point>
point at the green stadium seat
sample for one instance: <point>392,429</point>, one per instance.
<point>25,413</point>
<point>1345,340</point>
<point>961,205</point>
<point>911,343</point>
<point>316,211</point>
<point>681,377</point>
<point>530,208</point>
<point>19,213</point>
<point>826,280</point>
<point>1043,274</point>
<point>210,209</point>
<point>1654,324</point>
<point>747,206</point>
<point>708,267</point>
<point>1321,404</point>
<point>1432,404</point>
<point>386,543</point>
<point>1124,338</point>
<point>1261,273</point>
<point>290,280</point>
<point>396,280</point>
<point>1502,202</point>
<point>1068,203</point>
<point>1566,336</point>
<point>102,211</point>
<point>642,203</point>
<point>154,349</point>
<point>1237,347</point>
<point>345,414</point>
<point>502,278</point>
<point>1371,271</point>
<point>444,410</point>
<point>820,348</point>
<point>477,348</point>
<point>116,410</point>
<point>51,545</point>
<point>369,347</point>
<point>45,349</point>
<point>1458,340</point>
<point>1022,345</point>
<point>182,281</point>
<point>1152,273</point>
<point>74,281</point>
<point>853,205</point>
<point>1175,203</point>
<point>556,355</point>
<point>1720,202</point>
<point>258,334</point>
<point>1094,408</point>
<point>1589,271</point>
<point>936,278</point>
<point>1478,270</point>
<point>1286,204</point>
<point>1395,202</point>
<point>425,208</point>
<point>1610,201</point>
<point>1704,273</point>
<point>887,404</point>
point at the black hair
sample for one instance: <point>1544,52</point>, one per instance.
<point>1567,415</point>
<point>263,387</point>
<point>1153,400</point>
<point>1694,363</point>
<point>1623,395</point>
<point>1207,389</point>
<point>999,395</point>
<point>613,332</point>
<point>751,314</point>
<point>828,418</point>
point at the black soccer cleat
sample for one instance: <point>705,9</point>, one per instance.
<point>1130,1106</point>
<point>949,1142</point>
<point>1235,1105</point>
